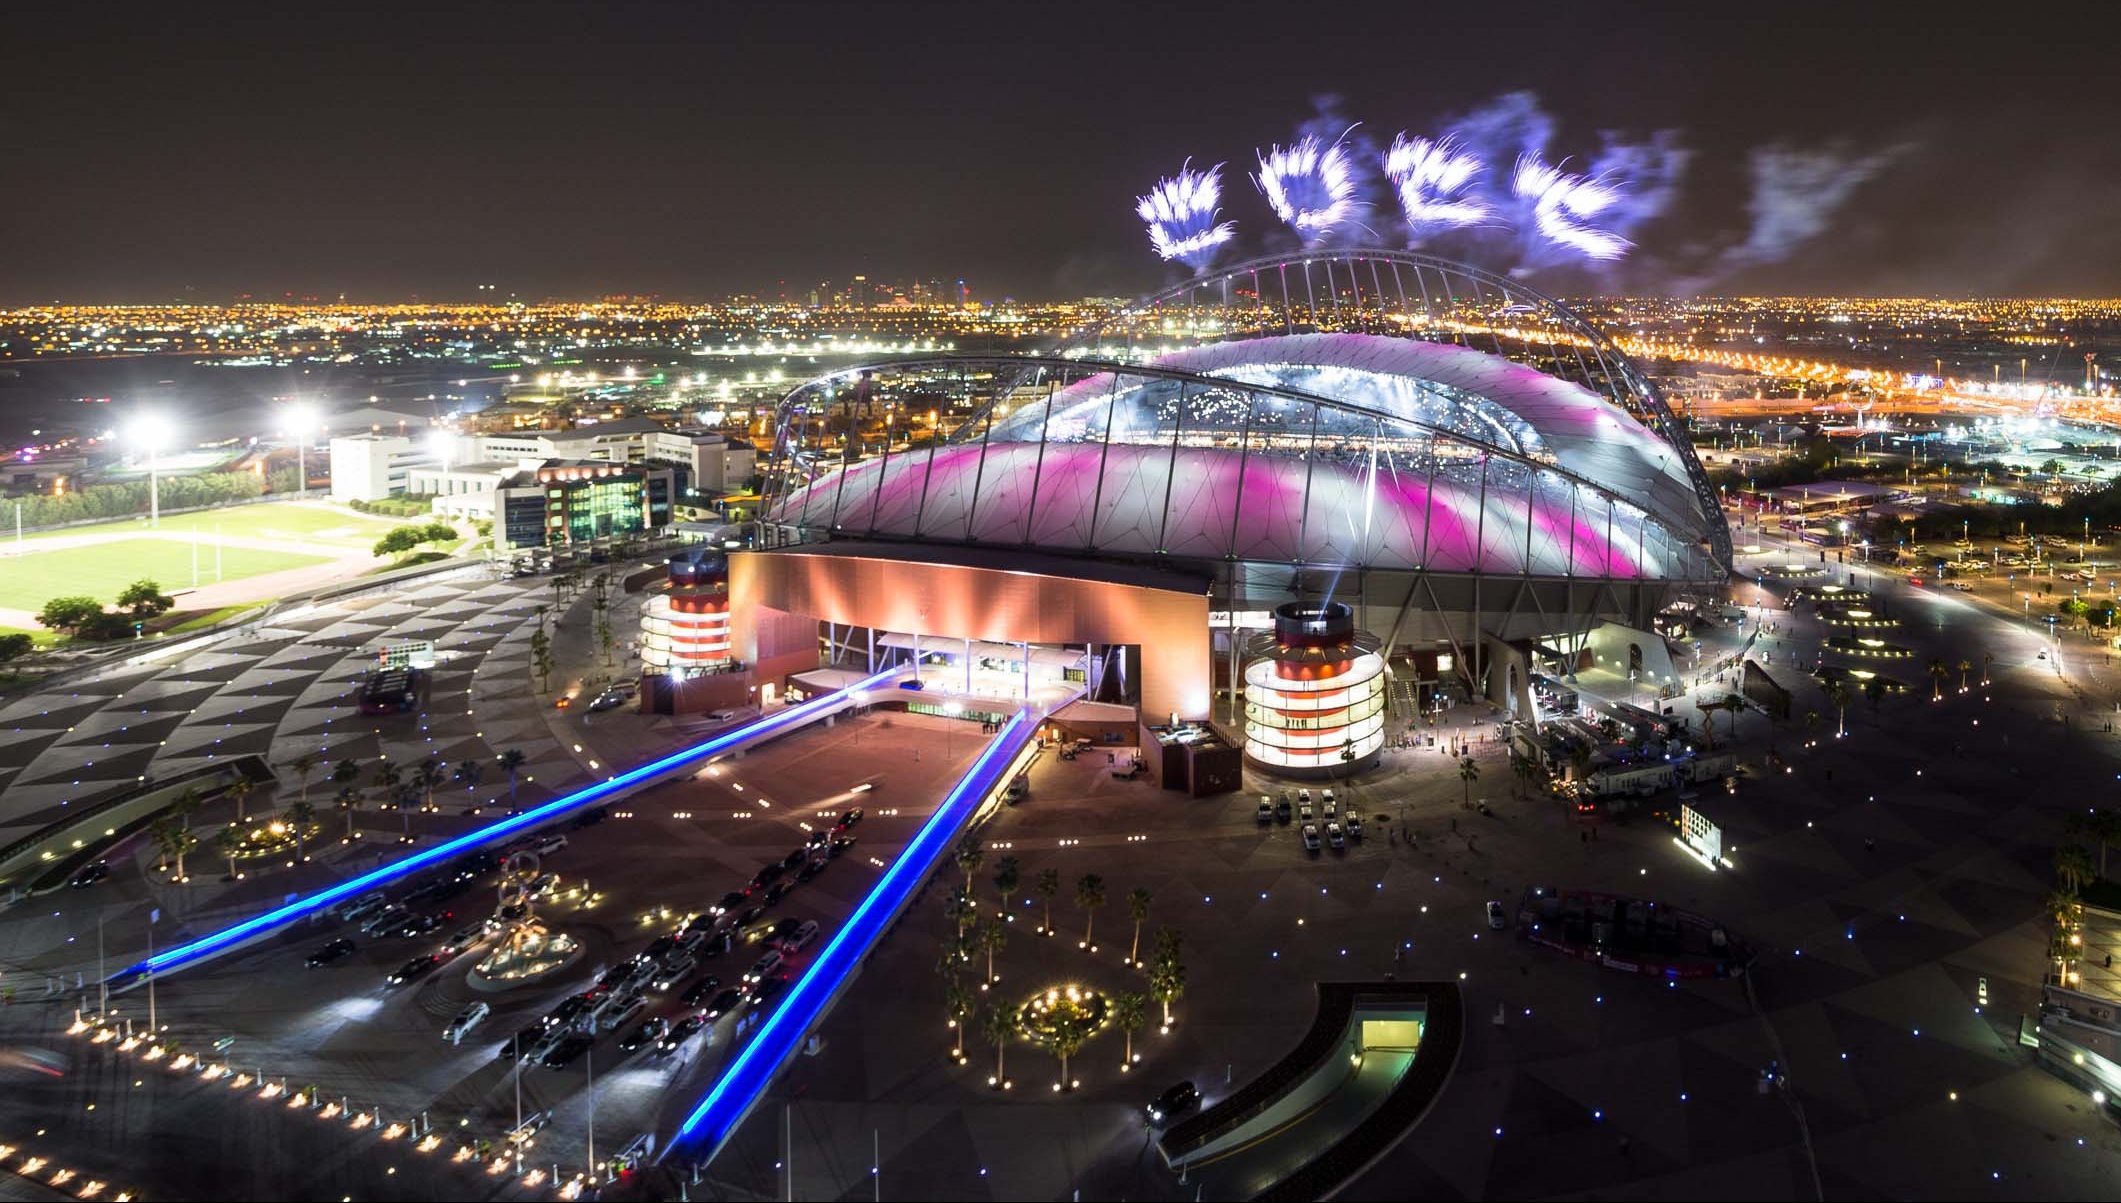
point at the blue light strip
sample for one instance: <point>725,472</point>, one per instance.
<point>747,1076</point>
<point>163,962</point>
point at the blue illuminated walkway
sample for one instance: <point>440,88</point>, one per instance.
<point>778,723</point>
<point>746,1077</point>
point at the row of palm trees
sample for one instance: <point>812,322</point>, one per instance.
<point>400,786</point>
<point>2074,870</point>
<point>973,934</point>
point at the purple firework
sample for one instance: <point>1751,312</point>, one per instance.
<point>1561,203</point>
<point>1180,213</point>
<point>1432,179</point>
<point>1310,184</point>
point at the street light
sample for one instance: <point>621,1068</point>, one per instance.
<point>151,432</point>
<point>303,417</point>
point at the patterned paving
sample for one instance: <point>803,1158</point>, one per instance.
<point>286,690</point>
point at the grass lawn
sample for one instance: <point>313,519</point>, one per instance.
<point>334,526</point>
<point>208,618</point>
<point>103,571</point>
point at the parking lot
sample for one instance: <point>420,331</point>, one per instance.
<point>661,857</point>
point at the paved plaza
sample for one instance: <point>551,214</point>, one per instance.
<point>1883,876</point>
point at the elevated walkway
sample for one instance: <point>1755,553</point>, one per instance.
<point>864,692</point>
<point>745,1078</point>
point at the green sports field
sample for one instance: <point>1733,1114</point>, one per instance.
<point>334,526</point>
<point>102,571</point>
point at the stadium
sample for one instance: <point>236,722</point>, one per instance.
<point>1483,481</point>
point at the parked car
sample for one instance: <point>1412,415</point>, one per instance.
<point>332,953</point>
<point>766,965</point>
<point>1496,919</point>
<point>547,845</point>
<point>385,919</point>
<point>1334,835</point>
<point>673,973</point>
<point>1266,812</point>
<point>800,938</point>
<point>1310,834</point>
<point>467,1019</point>
<point>675,1038</point>
<point>650,1031</point>
<point>698,991</point>
<point>1353,826</point>
<point>362,907</point>
<point>565,1053</point>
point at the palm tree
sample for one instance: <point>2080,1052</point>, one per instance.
<point>960,1003</point>
<point>1137,910</point>
<point>1129,1012</point>
<point>1988,662</point>
<point>1468,773</point>
<point>385,778</point>
<point>427,774</point>
<point>1007,877</point>
<point>960,908</point>
<point>169,835</point>
<point>969,856</point>
<point>1874,692</point>
<point>1067,1041</point>
<point>347,800</point>
<point>997,1025</point>
<point>1167,980</point>
<point>1811,727</point>
<point>1089,895</point>
<point>2073,867</point>
<point>345,773</point>
<point>1047,885</point>
<point>186,805</point>
<point>181,842</point>
<point>510,760</point>
<point>228,841</point>
<point>2102,827</point>
<point>304,765</point>
<point>1937,674</point>
<point>302,814</point>
<point>239,789</point>
<point>1837,692</point>
<point>1965,666</point>
<point>993,937</point>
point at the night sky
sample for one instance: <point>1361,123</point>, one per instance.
<point>693,150</point>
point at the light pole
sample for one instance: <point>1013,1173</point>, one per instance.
<point>303,416</point>
<point>151,432</point>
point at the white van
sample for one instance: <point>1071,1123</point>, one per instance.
<point>467,1019</point>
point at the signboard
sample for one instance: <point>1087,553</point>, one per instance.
<point>1700,833</point>
<point>411,653</point>
<point>1257,620</point>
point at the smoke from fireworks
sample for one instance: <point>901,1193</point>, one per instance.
<point>1561,204</point>
<point>1180,213</point>
<point>1432,180</point>
<point>1310,184</point>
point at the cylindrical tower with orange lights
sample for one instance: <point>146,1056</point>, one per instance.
<point>685,631</point>
<point>1314,694</point>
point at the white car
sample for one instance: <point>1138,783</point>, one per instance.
<point>673,972</point>
<point>467,1019</point>
<point>1496,919</point>
<point>763,968</point>
<point>1334,836</point>
<point>1310,834</point>
<point>363,907</point>
<point>1266,811</point>
<point>801,937</point>
<point>547,845</point>
<point>1354,827</point>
